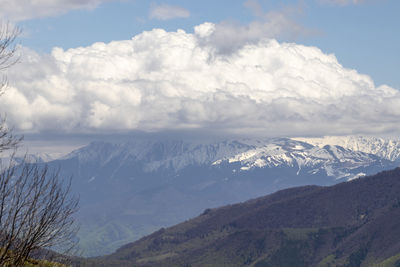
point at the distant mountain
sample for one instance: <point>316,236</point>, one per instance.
<point>29,157</point>
<point>384,148</point>
<point>349,224</point>
<point>130,189</point>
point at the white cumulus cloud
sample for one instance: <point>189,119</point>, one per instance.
<point>283,23</point>
<point>167,12</point>
<point>162,80</point>
<point>17,10</point>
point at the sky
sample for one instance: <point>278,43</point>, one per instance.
<point>110,68</point>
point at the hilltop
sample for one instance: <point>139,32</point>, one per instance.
<point>349,224</point>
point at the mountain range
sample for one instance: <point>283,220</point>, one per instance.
<point>130,189</point>
<point>349,224</point>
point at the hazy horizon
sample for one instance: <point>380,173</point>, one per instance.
<point>104,70</point>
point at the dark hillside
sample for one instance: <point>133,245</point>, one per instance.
<point>349,224</point>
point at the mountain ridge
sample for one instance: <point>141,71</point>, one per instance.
<point>158,183</point>
<point>349,224</point>
<point>383,147</point>
<point>177,155</point>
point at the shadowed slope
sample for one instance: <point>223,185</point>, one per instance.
<point>349,224</point>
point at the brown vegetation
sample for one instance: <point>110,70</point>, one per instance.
<point>349,224</point>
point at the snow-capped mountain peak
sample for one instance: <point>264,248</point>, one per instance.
<point>337,157</point>
<point>124,181</point>
<point>335,160</point>
<point>154,155</point>
<point>385,148</point>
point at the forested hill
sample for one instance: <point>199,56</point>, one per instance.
<point>350,224</point>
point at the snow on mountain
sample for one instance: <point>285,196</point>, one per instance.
<point>40,157</point>
<point>385,148</point>
<point>336,161</point>
<point>154,155</point>
<point>29,158</point>
<point>156,183</point>
<point>337,157</point>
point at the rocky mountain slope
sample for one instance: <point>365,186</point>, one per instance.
<point>385,148</point>
<point>131,189</point>
<point>349,224</point>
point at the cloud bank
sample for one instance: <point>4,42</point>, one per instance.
<point>167,12</point>
<point>18,10</point>
<point>160,81</point>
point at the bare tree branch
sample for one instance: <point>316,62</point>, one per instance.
<point>8,35</point>
<point>36,206</point>
<point>36,212</point>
